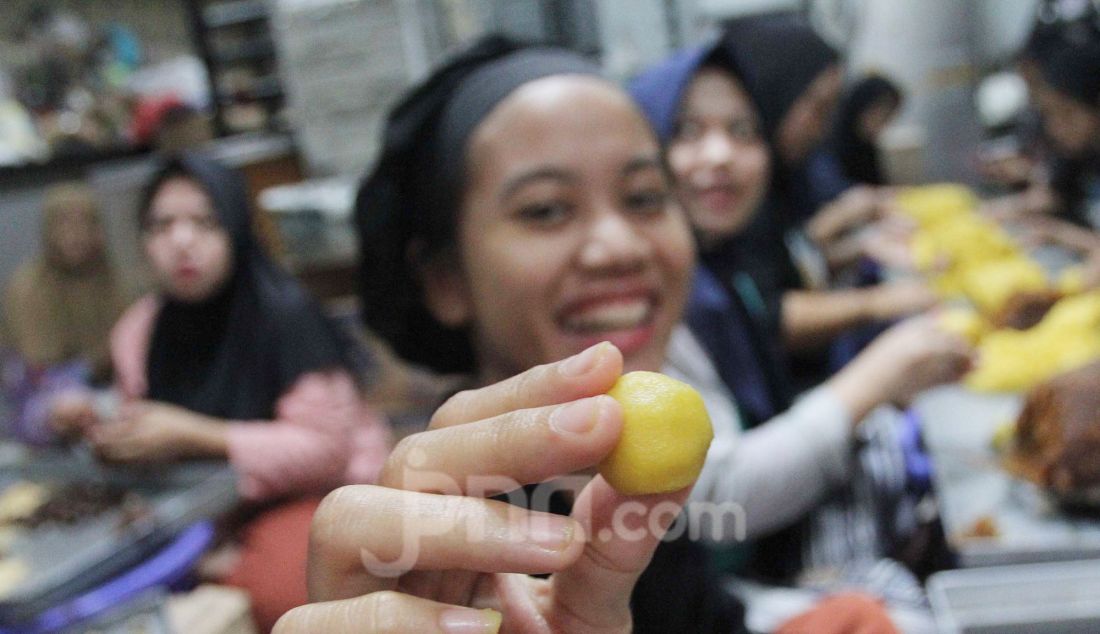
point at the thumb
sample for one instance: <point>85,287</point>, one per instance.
<point>623,533</point>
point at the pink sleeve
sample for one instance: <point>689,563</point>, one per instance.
<point>371,443</point>
<point>130,346</point>
<point>312,442</point>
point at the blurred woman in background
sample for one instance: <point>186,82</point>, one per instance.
<point>720,163</point>
<point>60,307</point>
<point>1070,106</point>
<point>796,94</point>
<point>1063,70</point>
<point>58,311</point>
<point>817,207</point>
<point>864,112</point>
<point>798,320</point>
<point>230,359</point>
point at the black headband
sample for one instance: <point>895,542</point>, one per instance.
<point>475,98</point>
<point>415,191</point>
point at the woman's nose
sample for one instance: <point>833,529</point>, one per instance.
<point>183,233</point>
<point>613,243</point>
<point>718,148</point>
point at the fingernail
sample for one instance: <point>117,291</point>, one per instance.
<point>469,621</point>
<point>580,364</point>
<point>550,533</point>
<point>578,417</point>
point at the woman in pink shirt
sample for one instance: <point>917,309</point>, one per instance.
<point>231,359</point>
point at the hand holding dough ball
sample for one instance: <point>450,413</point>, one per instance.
<point>665,437</point>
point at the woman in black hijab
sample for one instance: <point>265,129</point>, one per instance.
<point>795,79</point>
<point>1070,105</point>
<point>797,92</point>
<point>230,359</point>
<point>1061,65</point>
<point>224,360</point>
<point>864,112</point>
<point>232,354</point>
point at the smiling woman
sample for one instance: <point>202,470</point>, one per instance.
<point>584,238</point>
<point>518,220</point>
<point>563,249</point>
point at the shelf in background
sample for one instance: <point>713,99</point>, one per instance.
<point>234,12</point>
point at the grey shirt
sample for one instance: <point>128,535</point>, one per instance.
<point>762,479</point>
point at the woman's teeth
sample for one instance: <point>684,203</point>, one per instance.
<point>609,317</point>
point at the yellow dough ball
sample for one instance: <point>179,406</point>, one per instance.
<point>666,434</point>
<point>963,322</point>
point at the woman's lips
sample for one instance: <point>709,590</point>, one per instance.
<point>625,321</point>
<point>186,273</point>
<point>616,314</point>
<point>719,198</point>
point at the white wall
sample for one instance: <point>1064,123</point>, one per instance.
<point>930,48</point>
<point>634,35</point>
<point>1004,25</point>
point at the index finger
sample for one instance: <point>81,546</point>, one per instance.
<point>590,373</point>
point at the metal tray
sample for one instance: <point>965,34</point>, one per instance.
<point>1083,501</point>
<point>66,560</point>
<point>1048,598</point>
<point>972,483</point>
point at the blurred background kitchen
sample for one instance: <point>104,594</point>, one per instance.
<point>294,94</point>
<point>295,91</point>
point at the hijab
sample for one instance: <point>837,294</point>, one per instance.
<point>407,207</point>
<point>736,321</point>
<point>780,56</point>
<point>234,354</point>
<point>1074,70</point>
<point>56,312</point>
<point>659,90</point>
<point>858,156</point>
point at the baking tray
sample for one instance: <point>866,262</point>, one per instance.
<point>973,487</point>
<point>972,484</point>
<point>1050,598</point>
<point>66,560</point>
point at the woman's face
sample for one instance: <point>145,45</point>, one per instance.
<point>568,234</point>
<point>807,121</point>
<point>718,156</point>
<point>75,237</point>
<point>1072,126</point>
<point>190,251</point>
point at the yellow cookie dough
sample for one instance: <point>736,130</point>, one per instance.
<point>666,434</point>
<point>21,500</point>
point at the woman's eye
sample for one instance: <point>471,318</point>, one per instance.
<point>687,130</point>
<point>544,213</point>
<point>157,226</point>
<point>207,223</point>
<point>649,201</point>
<point>745,131</point>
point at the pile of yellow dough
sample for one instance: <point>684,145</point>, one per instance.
<point>968,256</point>
<point>963,253</point>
